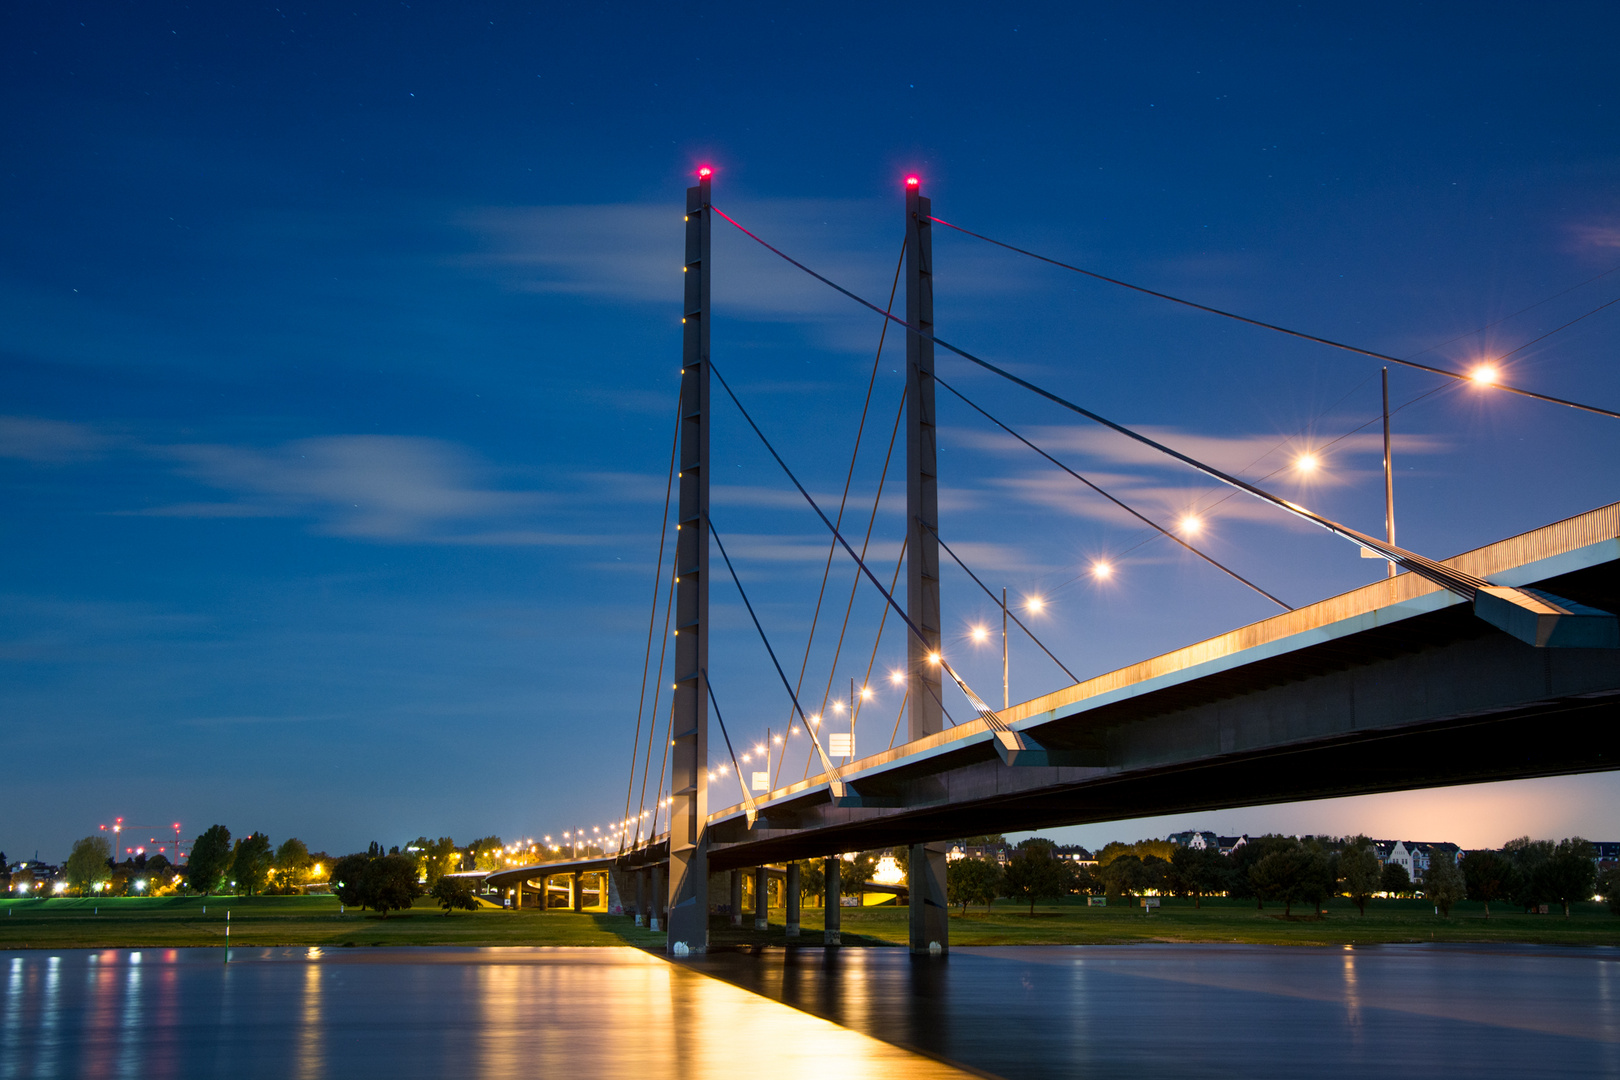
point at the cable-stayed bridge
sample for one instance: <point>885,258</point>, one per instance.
<point>1499,663</point>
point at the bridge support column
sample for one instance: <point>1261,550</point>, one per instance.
<point>930,913</point>
<point>654,894</point>
<point>736,898</point>
<point>641,897</point>
<point>930,918</point>
<point>689,754</point>
<point>833,899</point>
<point>762,899</point>
<point>577,889</point>
<point>790,900</point>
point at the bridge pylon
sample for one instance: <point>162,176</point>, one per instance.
<point>688,912</point>
<point>930,915</point>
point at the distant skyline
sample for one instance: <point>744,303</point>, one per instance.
<point>338,356</point>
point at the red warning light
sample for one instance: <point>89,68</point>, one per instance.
<point>912,181</point>
<point>705,172</point>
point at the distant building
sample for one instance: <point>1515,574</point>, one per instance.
<point>996,853</point>
<point>1606,853</point>
<point>1198,841</point>
<point>1414,856</point>
<point>1229,844</point>
<point>1076,854</point>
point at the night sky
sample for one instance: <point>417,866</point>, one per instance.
<point>339,350</point>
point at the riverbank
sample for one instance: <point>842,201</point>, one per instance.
<point>173,922</point>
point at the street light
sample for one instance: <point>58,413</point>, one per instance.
<point>1190,524</point>
<point>1484,375</point>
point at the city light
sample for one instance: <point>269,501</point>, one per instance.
<point>1484,375</point>
<point>866,692</point>
<point>1190,524</point>
<point>1307,463</point>
<point>838,706</point>
<point>897,676</point>
<point>980,634</point>
<point>913,181</point>
<point>705,172</point>
<point>1101,570</point>
<point>933,658</point>
<point>1034,603</point>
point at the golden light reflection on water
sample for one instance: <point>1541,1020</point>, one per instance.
<point>311,1060</point>
<point>622,1013</point>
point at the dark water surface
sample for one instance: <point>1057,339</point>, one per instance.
<point>1390,1012</point>
<point>1097,1011</point>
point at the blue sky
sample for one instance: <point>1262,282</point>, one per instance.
<point>338,354</point>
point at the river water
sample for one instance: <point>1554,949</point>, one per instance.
<point>1094,1011</point>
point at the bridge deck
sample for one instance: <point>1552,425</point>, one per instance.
<point>1340,687</point>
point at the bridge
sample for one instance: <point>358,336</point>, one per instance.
<point>1498,663</point>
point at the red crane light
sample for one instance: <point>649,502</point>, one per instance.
<point>913,181</point>
<point>705,172</point>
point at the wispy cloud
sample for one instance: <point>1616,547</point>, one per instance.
<point>631,252</point>
<point>49,442</point>
<point>370,486</point>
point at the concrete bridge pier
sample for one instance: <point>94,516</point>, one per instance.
<point>736,898</point>
<point>576,888</point>
<point>833,896</point>
<point>657,891</point>
<point>762,898</point>
<point>930,910</point>
<point>790,899</point>
<point>641,898</point>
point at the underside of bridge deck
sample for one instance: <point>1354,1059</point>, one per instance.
<point>1432,699</point>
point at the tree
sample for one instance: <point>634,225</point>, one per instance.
<point>1359,872</point>
<point>348,873</point>
<point>1570,874</point>
<point>87,864</point>
<point>1321,876</point>
<point>1395,880</point>
<point>1126,876</point>
<point>1487,875</point>
<point>389,883</point>
<point>1608,886</point>
<point>292,864</point>
<point>1529,858</point>
<point>1199,872</point>
<point>209,857</point>
<point>972,881</point>
<point>1443,883</point>
<point>250,863</point>
<point>485,853</point>
<point>1244,858</point>
<point>812,880</point>
<point>1082,880</point>
<point>856,872</point>
<point>453,893</point>
<point>1034,874</point>
<point>1284,874</point>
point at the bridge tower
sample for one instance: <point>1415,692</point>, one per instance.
<point>930,915</point>
<point>688,913</point>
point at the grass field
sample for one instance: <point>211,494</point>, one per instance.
<point>315,920</point>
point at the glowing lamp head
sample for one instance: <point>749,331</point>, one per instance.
<point>866,692</point>
<point>1191,525</point>
<point>1035,603</point>
<point>980,633</point>
<point>897,676</point>
<point>1484,375</point>
<point>933,658</point>
<point>705,172</point>
<point>1101,570</point>
<point>913,181</point>
<point>1307,463</point>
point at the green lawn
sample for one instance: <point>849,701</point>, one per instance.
<point>314,920</point>
<point>133,922</point>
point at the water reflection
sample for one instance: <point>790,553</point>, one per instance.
<point>487,1013</point>
<point>1241,1011</point>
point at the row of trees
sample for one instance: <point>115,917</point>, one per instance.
<point>1289,871</point>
